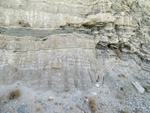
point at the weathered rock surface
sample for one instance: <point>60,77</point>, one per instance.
<point>61,48</point>
<point>54,62</point>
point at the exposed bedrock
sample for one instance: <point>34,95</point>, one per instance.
<point>67,44</point>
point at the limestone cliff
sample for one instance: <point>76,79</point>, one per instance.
<point>31,27</point>
<point>61,45</point>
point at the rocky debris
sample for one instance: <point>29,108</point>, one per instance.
<point>97,85</point>
<point>121,76</point>
<point>50,98</point>
<point>94,93</point>
<point>138,87</point>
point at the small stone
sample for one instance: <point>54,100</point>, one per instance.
<point>94,93</point>
<point>97,85</point>
<point>50,98</point>
<point>121,88</point>
<point>121,75</point>
<point>138,87</point>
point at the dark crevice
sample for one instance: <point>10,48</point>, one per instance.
<point>45,39</point>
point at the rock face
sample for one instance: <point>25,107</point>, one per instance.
<point>67,45</point>
<point>55,62</point>
<point>42,41</point>
<point>62,36</point>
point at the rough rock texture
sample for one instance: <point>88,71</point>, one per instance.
<point>62,48</point>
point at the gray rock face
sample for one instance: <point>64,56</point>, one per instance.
<point>57,39</point>
<point>69,45</point>
<point>56,62</point>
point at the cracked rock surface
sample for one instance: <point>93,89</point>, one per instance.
<point>61,54</point>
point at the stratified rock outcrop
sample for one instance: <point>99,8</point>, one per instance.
<point>68,45</point>
<point>41,38</point>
